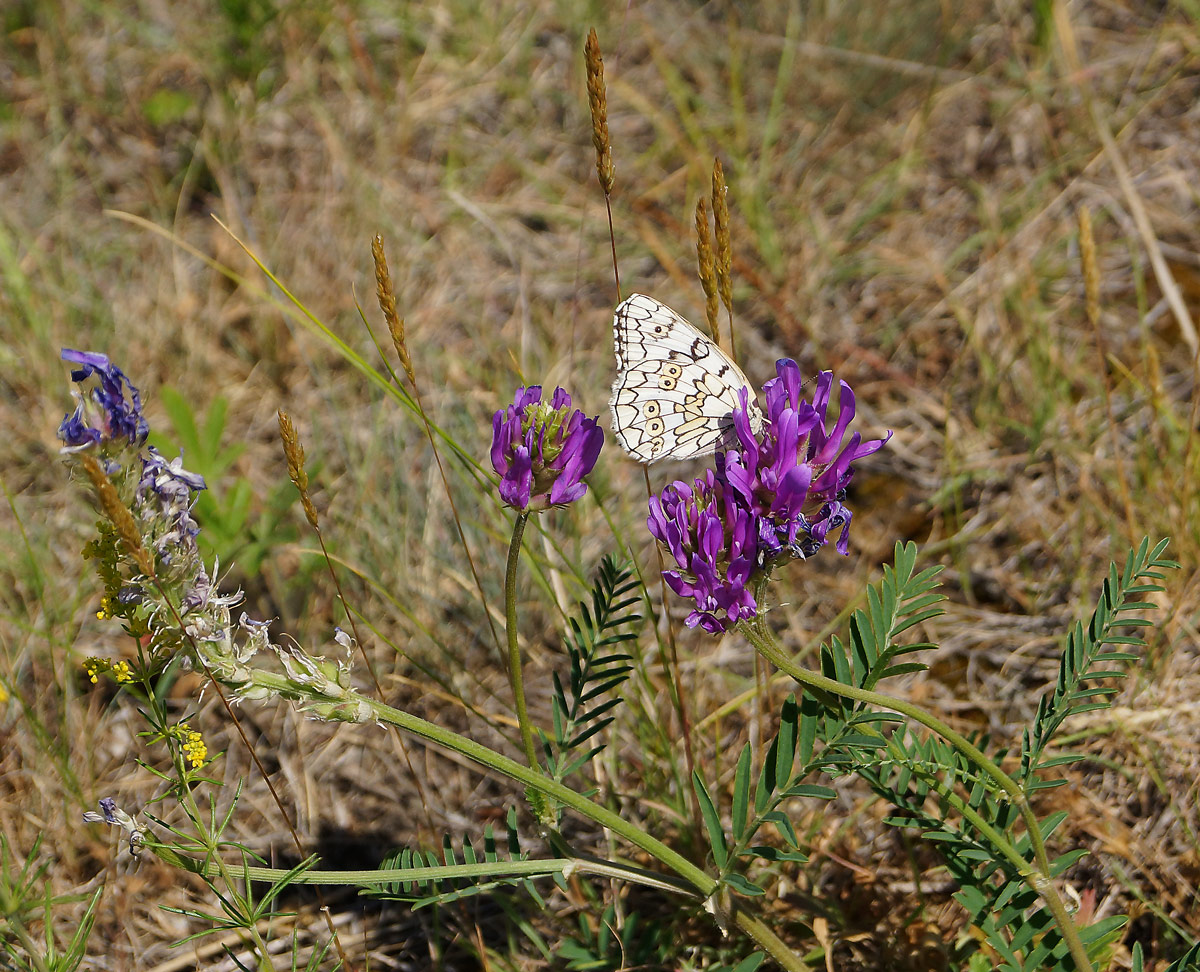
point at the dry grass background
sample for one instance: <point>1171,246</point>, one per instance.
<point>904,184</point>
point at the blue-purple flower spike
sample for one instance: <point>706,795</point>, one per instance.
<point>543,450</point>
<point>105,415</point>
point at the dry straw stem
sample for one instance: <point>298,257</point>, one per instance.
<point>1091,289</point>
<point>1087,257</point>
<point>295,463</point>
<point>1162,273</point>
<point>598,101</point>
<point>707,269</point>
<point>387,304</point>
<point>118,513</point>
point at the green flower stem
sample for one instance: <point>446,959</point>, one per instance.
<point>515,675</point>
<point>544,867</point>
<point>761,636</point>
<point>702,884</point>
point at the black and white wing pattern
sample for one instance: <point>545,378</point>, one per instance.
<point>675,390</point>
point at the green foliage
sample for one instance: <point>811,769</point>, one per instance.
<point>947,796</point>
<point>596,671</point>
<point>422,891</point>
<point>1084,661</point>
<point>26,896</point>
<point>230,533</point>
<point>900,601</point>
<point>601,945</point>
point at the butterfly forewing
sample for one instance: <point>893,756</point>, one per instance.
<point>675,390</point>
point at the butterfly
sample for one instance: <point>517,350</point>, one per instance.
<point>675,390</point>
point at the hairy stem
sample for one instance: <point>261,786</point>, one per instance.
<point>515,674</point>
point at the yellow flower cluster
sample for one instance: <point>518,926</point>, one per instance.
<point>106,610</point>
<point>194,749</point>
<point>121,671</point>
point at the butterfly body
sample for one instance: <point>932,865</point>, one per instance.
<point>675,390</point>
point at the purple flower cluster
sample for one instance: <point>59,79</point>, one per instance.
<point>105,415</point>
<point>776,497</point>
<point>713,539</point>
<point>542,450</point>
<point>108,420</point>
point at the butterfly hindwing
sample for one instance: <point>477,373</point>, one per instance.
<point>675,390</point>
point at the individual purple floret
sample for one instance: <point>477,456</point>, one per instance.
<point>713,539</point>
<point>794,477</point>
<point>164,497</point>
<point>105,414</point>
<point>542,451</point>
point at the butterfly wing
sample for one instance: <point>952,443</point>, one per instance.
<point>675,390</point>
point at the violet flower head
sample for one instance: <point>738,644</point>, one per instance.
<point>542,450</point>
<point>794,478</point>
<point>111,412</point>
<point>714,540</point>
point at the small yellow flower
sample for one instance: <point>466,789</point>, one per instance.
<point>93,667</point>
<point>122,672</point>
<point>194,749</point>
<point>106,610</point>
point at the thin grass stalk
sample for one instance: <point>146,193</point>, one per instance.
<point>1137,208</point>
<point>293,450</point>
<point>598,103</point>
<point>395,323</point>
<point>1091,289</point>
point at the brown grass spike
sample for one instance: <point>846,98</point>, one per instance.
<point>707,269</point>
<point>387,304</point>
<point>294,452</point>
<point>598,100</point>
<point>720,207</point>
<point>118,513</point>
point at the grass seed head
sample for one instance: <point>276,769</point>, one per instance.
<point>598,101</point>
<point>118,514</point>
<point>387,304</point>
<point>295,463</point>
<point>720,207</point>
<point>706,268</point>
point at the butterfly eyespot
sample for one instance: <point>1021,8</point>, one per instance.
<point>660,354</point>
